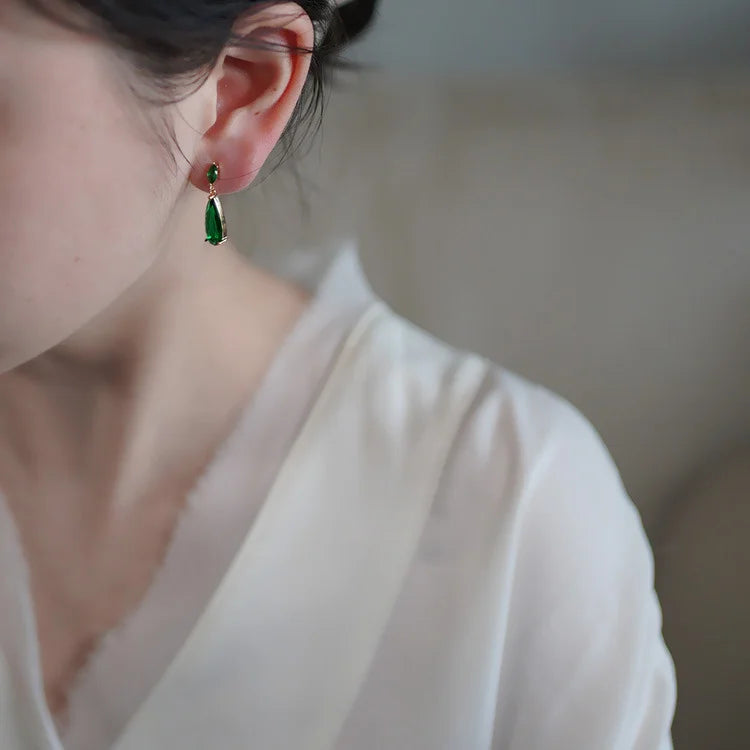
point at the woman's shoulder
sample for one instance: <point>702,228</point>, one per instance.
<point>505,413</point>
<point>533,516</point>
<point>521,462</point>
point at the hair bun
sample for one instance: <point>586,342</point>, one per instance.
<point>356,16</point>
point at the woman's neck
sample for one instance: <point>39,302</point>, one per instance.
<point>150,385</point>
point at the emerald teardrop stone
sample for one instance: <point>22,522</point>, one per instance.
<point>213,173</point>
<point>214,225</point>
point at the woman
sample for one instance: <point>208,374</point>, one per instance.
<point>242,512</point>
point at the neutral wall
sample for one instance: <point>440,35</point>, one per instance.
<point>494,35</point>
<point>591,234</point>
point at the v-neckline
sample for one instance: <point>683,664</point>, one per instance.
<point>208,477</point>
<point>364,321</point>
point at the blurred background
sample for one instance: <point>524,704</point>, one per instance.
<point>564,187</point>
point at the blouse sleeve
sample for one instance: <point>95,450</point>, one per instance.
<point>584,664</point>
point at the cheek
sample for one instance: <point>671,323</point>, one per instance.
<point>77,224</point>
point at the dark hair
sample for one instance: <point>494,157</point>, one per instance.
<point>177,42</point>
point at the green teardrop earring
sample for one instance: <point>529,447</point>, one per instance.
<point>216,224</point>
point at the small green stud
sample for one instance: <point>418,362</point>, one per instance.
<point>213,173</point>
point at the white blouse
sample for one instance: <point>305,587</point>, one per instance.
<point>401,545</point>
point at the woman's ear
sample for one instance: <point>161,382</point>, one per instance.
<point>256,90</point>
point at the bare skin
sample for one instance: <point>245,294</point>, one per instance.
<point>126,352</point>
<point>96,466</point>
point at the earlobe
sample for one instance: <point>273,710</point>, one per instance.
<point>256,93</point>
